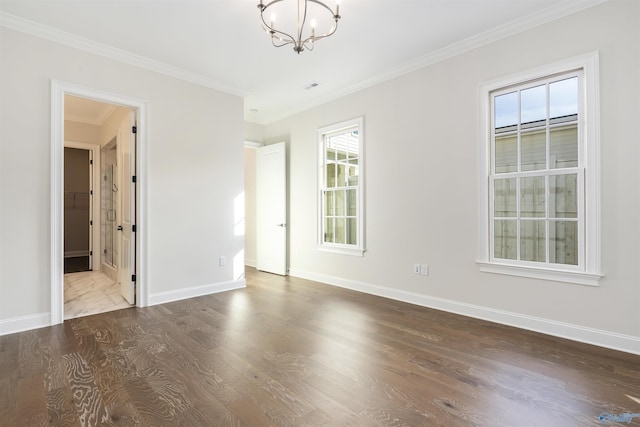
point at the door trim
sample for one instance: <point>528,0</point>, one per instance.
<point>58,90</point>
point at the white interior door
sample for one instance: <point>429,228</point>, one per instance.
<point>127,192</point>
<point>271,209</point>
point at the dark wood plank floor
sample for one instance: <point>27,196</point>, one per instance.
<point>290,352</point>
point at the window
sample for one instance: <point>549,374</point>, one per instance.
<point>341,208</point>
<point>541,174</point>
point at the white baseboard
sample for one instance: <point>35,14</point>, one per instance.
<point>76,254</point>
<point>612,340</point>
<point>626,343</point>
<point>24,323</point>
<point>250,262</point>
<point>110,271</point>
<point>195,291</point>
<point>42,320</point>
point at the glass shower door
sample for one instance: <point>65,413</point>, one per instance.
<point>109,207</point>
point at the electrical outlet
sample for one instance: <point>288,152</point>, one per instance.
<point>223,261</point>
<point>416,268</point>
<point>424,269</point>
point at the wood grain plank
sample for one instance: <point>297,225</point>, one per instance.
<point>58,395</point>
<point>60,407</point>
<point>30,407</point>
<point>86,397</point>
<point>8,377</point>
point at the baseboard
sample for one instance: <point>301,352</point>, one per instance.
<point>612,340</point>
<point>110,271</point>
<point>250,262</point>
<point>76,254</point>
<point>24,323</point>
<point>195,291</point>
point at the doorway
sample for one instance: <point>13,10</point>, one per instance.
<point>97,277</point>
<point>127,250</point>
<point>271,203</point>
<point>78,198</point>
<point>266,235</point>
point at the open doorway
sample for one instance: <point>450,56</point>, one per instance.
<point>78,223</point>
<point>138,257</point>
<point>98,204</point>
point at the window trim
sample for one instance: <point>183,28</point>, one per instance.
<point>590,273</point>
<point>345,249</point>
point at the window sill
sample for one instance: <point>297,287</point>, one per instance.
<point>341,250</point>
<point>577,277</point>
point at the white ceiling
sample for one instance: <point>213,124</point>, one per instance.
<point>220,44</point>
<point>87,111</point>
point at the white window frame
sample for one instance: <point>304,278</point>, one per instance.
<point>588,272</point>
<point>345,249</point>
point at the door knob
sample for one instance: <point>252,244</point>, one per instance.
<point>282,225</point>
<point>119,228</point>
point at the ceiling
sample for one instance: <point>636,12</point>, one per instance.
<point>86,110</point>
<point>220,43</point>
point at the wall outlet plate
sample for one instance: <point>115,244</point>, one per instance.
<point>424,269</point>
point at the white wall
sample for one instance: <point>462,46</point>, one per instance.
<point>81,132</point>
<point>250,206</point>
<point>421,148</point>
<point>253,132</point>
<point>195,164</point>
<point>109,128</point>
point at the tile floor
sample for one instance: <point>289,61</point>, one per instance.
<point>91,292</point>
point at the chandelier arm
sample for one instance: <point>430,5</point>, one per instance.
<point>264,7</point>
<point>282,36</point>
<point>283,42</point>
<point>336,17</point>
<point>308,44</point>
<point>318,2</point>
<point>301,26</point>
<point>321,36</point>
<point>273,31</point>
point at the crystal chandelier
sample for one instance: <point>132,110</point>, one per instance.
<point>314,10</point>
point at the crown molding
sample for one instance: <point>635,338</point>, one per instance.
<point>95,121</point>
<point>504,31</point>
<point>509,29</point>
<point>52,34</point>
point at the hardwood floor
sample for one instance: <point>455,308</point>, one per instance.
<point>290,352</point>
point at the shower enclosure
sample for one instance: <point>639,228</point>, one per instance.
<point>109,209</point>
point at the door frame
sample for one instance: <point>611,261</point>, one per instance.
<point>58,91</point>
<point>95,208</point>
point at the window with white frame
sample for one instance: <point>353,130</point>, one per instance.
<point>541,174</point>
<point>341,208</point>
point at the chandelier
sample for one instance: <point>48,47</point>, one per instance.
<point>315,10</point>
